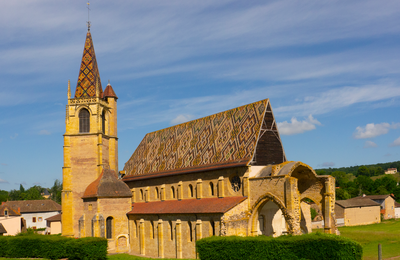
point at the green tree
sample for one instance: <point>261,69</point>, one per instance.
<point>3,196</point>
<point>34,193</point>
<point>363,170</point>
<point>342,194</point>
<point>365,184</point>
<point>56,191</point>
<point>340,177</point>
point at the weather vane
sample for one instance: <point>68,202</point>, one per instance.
<point>88,22</point>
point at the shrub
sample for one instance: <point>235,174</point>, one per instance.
<point>312,246</point>
<point>52,247</point>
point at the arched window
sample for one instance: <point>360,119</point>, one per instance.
<point>173,192</point>
<point>212,224</point>
<point>190,231</point>
<point>152,229</point>
<point>156,193</point>
<point>211,189</point>
<point>84,121</point>
<point>171,231</point>
<point>109,223</point>
<point>190,191</point>
<point>103,122</point>
<point>141,194</point>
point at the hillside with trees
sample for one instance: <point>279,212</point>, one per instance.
<point>33,193</point>
<point>356,180</point>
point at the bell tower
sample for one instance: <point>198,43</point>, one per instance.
<point>90,139</point>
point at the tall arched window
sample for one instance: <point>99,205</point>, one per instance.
<point>156,193</point>
<point>109,223</point>
<point>141,194</point>
<point>173,192</point>
<point>103,122</point>
<point>171,231</point>
<point>84,121</point>
<point>211,189</point>
<point>212,224</point>
<point>190,191</point>
<point>190,231</point>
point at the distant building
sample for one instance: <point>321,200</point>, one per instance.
<point>35,212</point>
<point>391,171</point>
<point>45,194</point>
<point>355,212</point>
<point>11,220</point>
<point>397,210</point>
<point>54,225</point>
<point>386,202</point>
<point>2,230</point>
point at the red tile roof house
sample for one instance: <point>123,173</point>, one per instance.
<point>11,221</point>
<point>35,212</point>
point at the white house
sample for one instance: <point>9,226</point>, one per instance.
<point>35,212</point>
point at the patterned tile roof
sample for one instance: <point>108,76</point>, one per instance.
<point>237,137</point>
<point>188,206</point>
<point>89,74</point>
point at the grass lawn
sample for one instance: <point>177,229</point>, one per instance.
<point>386,233</point>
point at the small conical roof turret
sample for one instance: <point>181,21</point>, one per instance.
<point>89,72</point>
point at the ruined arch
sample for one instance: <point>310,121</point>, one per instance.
<point>254,211</point>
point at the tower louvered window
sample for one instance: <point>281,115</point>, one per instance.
<point>84,121</point>
<point>103,122</point>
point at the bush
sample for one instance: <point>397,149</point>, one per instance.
<point>52,247</point>
<point>311,246</point>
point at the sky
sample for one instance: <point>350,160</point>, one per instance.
<point>331,70</point>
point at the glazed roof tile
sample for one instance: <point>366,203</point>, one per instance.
<point>107,185</point>
<point>28,206</point>
<point>186,206</point>
<point>237,137</point>
<point>89,75</point>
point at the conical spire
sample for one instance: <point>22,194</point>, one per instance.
<point>89,73</point>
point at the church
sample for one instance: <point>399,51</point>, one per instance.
<point>221,175</point>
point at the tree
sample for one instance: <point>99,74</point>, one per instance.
<point>340,177</point>
<point>342,194</point>
<point>365,183</point>
<point>55,191</point>
<point>363,170</point>
<point>3,196</point>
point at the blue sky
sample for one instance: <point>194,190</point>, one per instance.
<point>331,70</point>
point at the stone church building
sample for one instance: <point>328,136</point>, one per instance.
<point>224,174</point>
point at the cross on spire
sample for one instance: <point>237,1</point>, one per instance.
<point>88,22</point>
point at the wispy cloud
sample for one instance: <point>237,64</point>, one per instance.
<point>370,144</point>
<point>3,181</point>
<point>297,127</point>
<point>373,130</point>
<point>44,132</point>
<point>14,136</point>
<point>396,142</point>
<point>334,99</point>
<point>181,119</point>
<point>327,164</point>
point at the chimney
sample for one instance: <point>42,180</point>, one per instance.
<point>19,210</point>
<point>2,203</point>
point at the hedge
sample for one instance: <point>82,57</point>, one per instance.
<point>53,247</point>
<point>316,246</point>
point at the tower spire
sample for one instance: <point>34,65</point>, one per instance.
<point>89,72</point>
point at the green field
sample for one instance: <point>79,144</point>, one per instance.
<point>396,176</point>
<point>386,233</point>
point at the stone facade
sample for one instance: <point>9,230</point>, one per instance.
<point>225,174</point>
